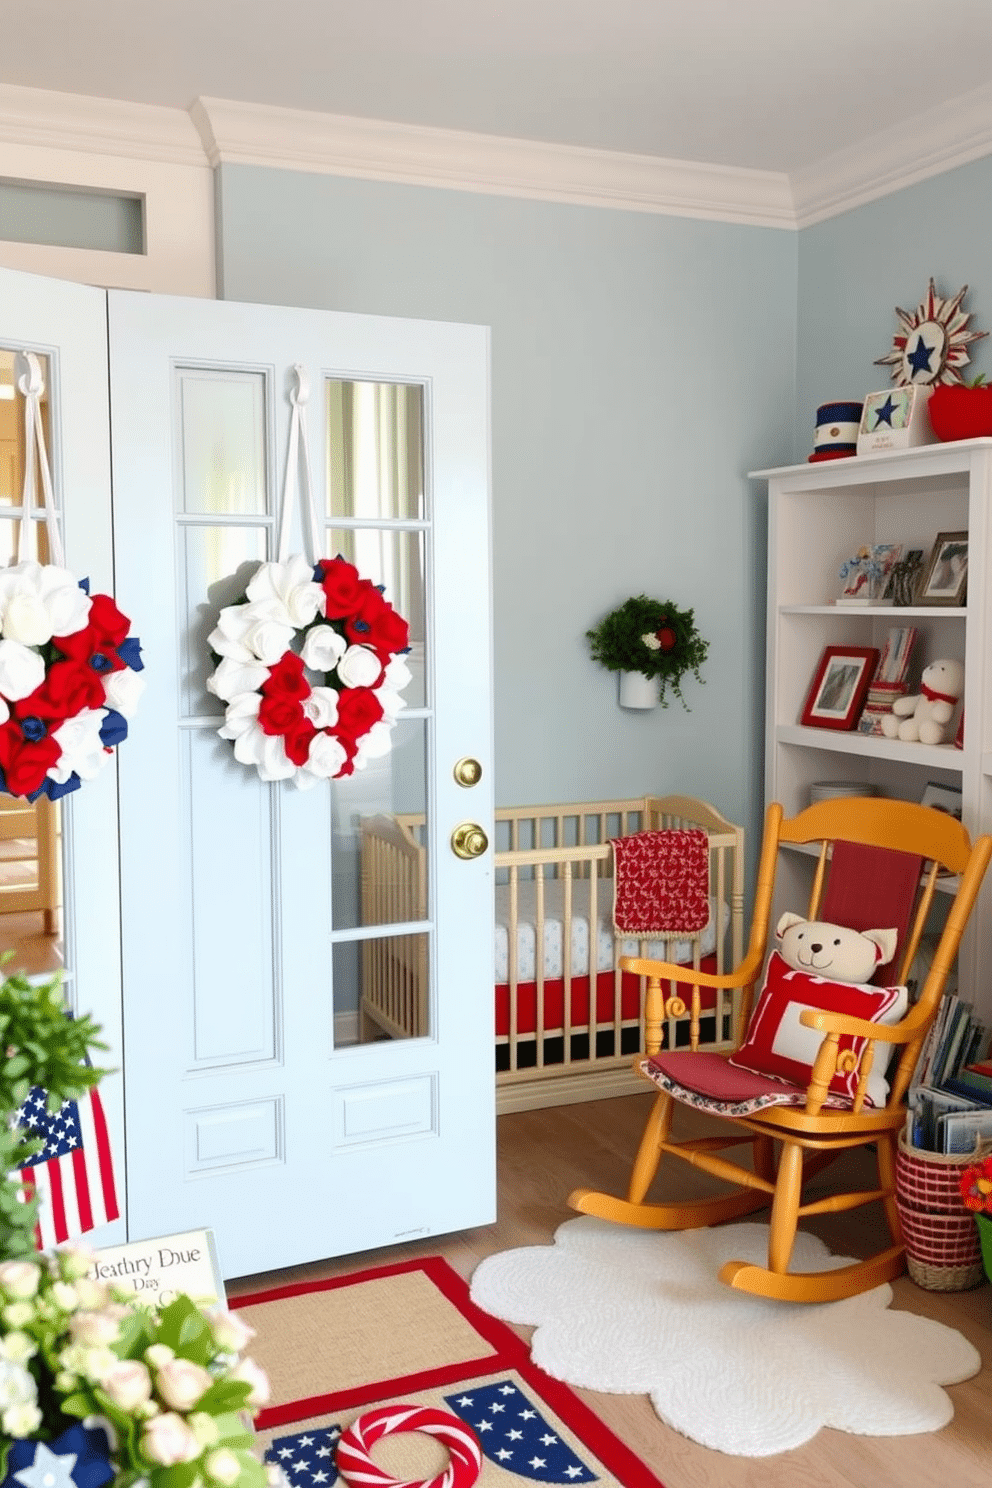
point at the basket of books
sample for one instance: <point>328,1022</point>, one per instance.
<point>943,1252</point>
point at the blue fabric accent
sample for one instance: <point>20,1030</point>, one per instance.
<point>56,789</point>
<point>99,662</point>
<point>113,730</point>
<point>129,652</point>
<point>89,1446</point>
<point>84,584</point>
<point>34,728</point>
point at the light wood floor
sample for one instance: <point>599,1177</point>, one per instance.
<point>544,1154</point>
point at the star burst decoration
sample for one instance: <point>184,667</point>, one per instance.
<point>932,345</point>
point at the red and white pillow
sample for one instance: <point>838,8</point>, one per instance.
<point>777,1044</point>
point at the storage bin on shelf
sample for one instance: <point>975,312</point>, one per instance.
<point>943,1251</point>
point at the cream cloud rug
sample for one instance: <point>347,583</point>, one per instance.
<point>628,1311</point>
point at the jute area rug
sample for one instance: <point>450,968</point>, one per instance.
<point>626,1311</point>
<point>408,1333</point>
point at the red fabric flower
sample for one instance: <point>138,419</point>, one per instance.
<point>342,587</point>
<point>283,693</point>
<point>298,740</point>
<point>96,644</point>
<point>375,623</point>
<point>68,688</point>
<point>25,763</point>
<point>358,710</point>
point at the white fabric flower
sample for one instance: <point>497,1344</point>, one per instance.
<point>359,667</point>
<point>327,755</point>
<point>391,702</point>
<point>252,633</point>
<point>252,745</point>
<point>651,641</point>
<point>233,677</point>
<point>38,601</point>
<point>292,586</point>
<point>323,648</point>
<point>321,707</point>
<point>376,743</point>
<point>122,690</point>
<point>83,752</point>
<point>21,670</point>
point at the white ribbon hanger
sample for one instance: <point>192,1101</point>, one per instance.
<point>298,446</point>
<point>31,383</point>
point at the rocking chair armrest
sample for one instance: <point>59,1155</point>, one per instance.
<point>743,976</point>
<point>844,1023</point>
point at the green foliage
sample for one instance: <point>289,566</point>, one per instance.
<point>39,1045</point>
<point>622,642</point>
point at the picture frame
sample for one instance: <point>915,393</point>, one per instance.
<point>945,579</point>
<point>945,798</point>
<point>839,687</point>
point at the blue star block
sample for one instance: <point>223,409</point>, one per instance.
<point>883,414</point>
<point>79,1458</point>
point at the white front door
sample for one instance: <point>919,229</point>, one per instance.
<point>73,919</point>
<point>307,975</point>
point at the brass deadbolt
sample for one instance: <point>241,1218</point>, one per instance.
<point>467,771</point>
<point>468,840</point>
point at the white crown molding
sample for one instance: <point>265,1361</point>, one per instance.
<point>372,149</point>
<point>97,126</point>
<point>936,141</point>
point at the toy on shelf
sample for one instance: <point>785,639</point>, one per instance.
<point>926,716</point>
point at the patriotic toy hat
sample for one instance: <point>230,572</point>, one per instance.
<point>836,434</point>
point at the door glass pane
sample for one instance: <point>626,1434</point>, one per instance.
<point>218,563</point>
<point>381,989</point>
<point>395,560</point>
<point>379,857</point>
<point>223,441</point>
<point>375,449</point>
<point>30,832</point>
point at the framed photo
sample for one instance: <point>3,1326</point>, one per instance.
<point>839,687</point>
<point>945,580</point>
<point>943,798</point>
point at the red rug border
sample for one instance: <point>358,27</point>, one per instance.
<point>510,1352</point>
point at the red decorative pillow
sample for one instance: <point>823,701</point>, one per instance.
<point>777,1044</point>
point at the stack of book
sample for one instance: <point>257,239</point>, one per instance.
<point>950,1094</point>
<point>889,681</point>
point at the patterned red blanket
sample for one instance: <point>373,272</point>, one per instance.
<point>661,882</point>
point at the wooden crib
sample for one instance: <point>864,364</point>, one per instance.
<point>567,1020</point>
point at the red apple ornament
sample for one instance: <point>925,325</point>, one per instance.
<point>960,410</point>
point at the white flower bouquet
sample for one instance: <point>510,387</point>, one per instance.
<point>98,1388</point>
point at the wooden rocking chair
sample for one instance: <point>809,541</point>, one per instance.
<point>813,1123</point>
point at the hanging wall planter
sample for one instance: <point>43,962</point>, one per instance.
<point>652,644</point>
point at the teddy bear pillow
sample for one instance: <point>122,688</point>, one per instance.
<point>827,967</point>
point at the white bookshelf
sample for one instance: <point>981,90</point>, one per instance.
<point>818,516</point>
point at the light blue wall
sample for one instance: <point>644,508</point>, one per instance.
<point>854,270</point>
<point>641,365</point>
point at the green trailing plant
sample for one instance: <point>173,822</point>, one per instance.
<point>40,1044</point>
<point>650,636</point>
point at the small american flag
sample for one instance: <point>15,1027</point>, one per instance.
<point>73,1174</point>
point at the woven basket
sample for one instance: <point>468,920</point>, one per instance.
<point>943,1253</point>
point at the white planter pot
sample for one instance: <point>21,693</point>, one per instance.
<point>638,691</point>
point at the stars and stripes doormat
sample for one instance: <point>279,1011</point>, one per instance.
<point>408,1333</point>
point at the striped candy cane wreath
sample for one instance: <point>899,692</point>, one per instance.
<point>356,1466</point>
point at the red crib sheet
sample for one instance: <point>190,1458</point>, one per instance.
<point>554,1001</point>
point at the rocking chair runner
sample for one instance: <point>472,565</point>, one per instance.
<point>811,1123</point>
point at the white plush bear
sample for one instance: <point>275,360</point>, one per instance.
<point>925,717</point>
<point>832,950</point>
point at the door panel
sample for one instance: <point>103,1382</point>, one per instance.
<point>259,1101</point>
<point>66,326</point>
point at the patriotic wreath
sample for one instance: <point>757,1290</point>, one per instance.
<point>310,667</point>
<point>355,1464</point>
<point>68,680</point>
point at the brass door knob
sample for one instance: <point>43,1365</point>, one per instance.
<point>468,840</point>
<point>467,771</point>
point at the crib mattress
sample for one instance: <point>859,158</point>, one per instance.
<point>679,951</point>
